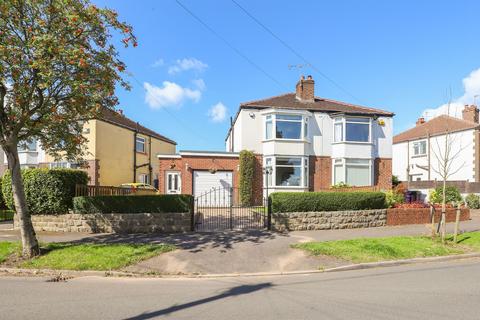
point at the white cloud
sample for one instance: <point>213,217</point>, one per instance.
<point>169,94</point>
<point>471,85</point>
<point>158,63</point>
<point>199,83</point>
<point>187,64</point>
<point>218,112</point>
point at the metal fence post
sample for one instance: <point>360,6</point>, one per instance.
<point>192,214</point>
<point>231,206</point>
<point>269,214</point>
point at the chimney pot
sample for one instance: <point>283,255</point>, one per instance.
<point>309,77</point>
<point>420,121</point>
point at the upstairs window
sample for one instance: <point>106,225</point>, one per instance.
<point>420,148</point>
<point>140,144</point>
<point>285,126</point>
<point>352,129</point>
<point>28,146</point>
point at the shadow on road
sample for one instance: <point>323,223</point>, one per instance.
<point>194,242</point>
<point>235,291</point>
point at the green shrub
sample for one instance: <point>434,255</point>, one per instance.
<point>473,201</point>
<point>452,195</point>
<point>326,201</point>
<point>47,191</point>
<point>133,204</point>
<point>395,181</point>
<point>392,197</point>
<point>246,172</point>
<point>340,185</point>
<point>2,202</point>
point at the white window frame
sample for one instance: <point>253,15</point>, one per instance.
<point>179,182</point>
<point>142,141</point>
<point>414,144</point>
<point>271,162</point>
<point>63,165</point>
<point>272,117</point>
<point>343,163</point>
<point>25,146</point>
<point>343,121</point>
<point>144,178</point>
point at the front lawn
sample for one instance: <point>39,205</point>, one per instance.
<point>101,257</point>
<point>392,248</point>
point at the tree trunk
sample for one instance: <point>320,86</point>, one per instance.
<point>432,218</point>
<point>444,209</point>
<point>457,223</point>
<point>30,246</point>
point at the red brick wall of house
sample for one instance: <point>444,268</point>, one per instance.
<point>399,216</point>
<point>383,173</point>
<point>187,164</point>
<point>320,173</point>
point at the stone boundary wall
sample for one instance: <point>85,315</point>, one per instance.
<point>399,216</point>
<point>112,223</point>
<point>327,220</point>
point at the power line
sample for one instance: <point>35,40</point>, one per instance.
<point>295,52</point>
<point>241,54</point>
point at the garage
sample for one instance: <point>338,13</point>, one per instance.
<point>213,188</point>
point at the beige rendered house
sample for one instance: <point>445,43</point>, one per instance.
<point>119,150</point>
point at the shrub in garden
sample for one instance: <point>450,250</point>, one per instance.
<point>393,198</point>
<point>47,191</point>
<point>246,172</point>
<point>326,201</point>
<point>452,195</point>
<point>2,202</point>
<point>473,201</point>
<point>133,204</point>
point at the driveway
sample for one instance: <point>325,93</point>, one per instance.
<point>236,251</point>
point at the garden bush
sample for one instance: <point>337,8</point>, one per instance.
<point>47,191</point>
<point>452,195</point>
<point>326,201</point>
<point>2,202</point>
<point>246,172</point>
<point>473,201</point>
<point>393,198</point>
<point>133,204</point>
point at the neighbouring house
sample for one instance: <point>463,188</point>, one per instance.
<point>119,150</point>
<point>301,142</point>
<point>419,151</point>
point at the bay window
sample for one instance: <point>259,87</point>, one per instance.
<point>352,129</point>
<point>354,172</point>
<point>286,126</point>
<point>287,171</point>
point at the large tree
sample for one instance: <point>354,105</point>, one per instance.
<point>58,67</point>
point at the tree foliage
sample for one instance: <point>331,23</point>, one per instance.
<point>246,172</point>
<point>57,69</point>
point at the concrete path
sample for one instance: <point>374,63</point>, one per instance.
<point>238,252</point>
<point>441,291</point>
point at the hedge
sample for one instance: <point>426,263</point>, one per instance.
<point>326,201</point>
<point>246,172</point>
<point>133,204</point>
<point>2,202</point>
<point>47,191</point>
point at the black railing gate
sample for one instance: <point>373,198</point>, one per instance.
<point>219,209</point>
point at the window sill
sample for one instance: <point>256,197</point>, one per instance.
<point>419,156</point>
<point>286,187</point>
<point>286,140</point>
<point>352,142</point>
<point>140,152</point>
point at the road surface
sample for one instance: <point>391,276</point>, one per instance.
<point>448,290</point>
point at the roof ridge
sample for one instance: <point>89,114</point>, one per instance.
<point>351,104</point>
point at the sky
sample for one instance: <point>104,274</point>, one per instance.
<point>189,77</point>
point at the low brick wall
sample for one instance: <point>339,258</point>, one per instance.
<point>112,223</point>
<point>397,216</point>
<point>298,221</point>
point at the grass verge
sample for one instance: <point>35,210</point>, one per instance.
<point>100,257</point>
<point>391,248</point>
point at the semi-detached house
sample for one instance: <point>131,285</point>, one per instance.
<point>301,142</point>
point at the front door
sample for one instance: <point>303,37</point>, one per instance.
<point>173,183</point>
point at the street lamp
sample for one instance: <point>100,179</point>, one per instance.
<point>267,171</point>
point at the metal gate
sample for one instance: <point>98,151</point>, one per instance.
<point>219,209</point>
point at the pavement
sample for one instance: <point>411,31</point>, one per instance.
<point>233,252</point>
<point>447,290</point>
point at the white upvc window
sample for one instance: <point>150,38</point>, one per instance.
<point>354,172</point>
<point>420,148</point>
<point>144,178</point>
<point>352,129</point>
<point>63,165</point>
<point>140,144</point>
<point>28,146</point>
<point>286,127</point>
<point>286,171</point>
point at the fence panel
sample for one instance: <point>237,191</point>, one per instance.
<point>90,191</point>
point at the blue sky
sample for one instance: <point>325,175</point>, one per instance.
<point>402,56</point>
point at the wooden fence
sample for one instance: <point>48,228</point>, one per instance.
<point>90,191</point>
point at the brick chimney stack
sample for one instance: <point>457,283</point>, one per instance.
<point>420,121</point>
<point>305,89</point>
<point>470,113</point>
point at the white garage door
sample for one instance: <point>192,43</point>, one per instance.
<point>212,189</point>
